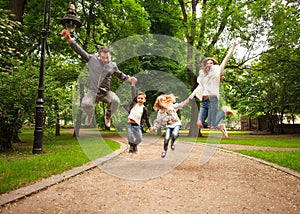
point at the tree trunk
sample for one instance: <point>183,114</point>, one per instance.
<point>79,115</point>
<point>5,135</point>
<point>77,124</point>
<point>294,126</point>
<point>17,8</point>
<point>57,126</point>
<point>194,130</point>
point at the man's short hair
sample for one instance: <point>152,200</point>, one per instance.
<point>104,49</point>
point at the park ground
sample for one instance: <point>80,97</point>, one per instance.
<point>226,182</point>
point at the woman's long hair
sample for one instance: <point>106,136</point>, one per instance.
<point>206,67</point>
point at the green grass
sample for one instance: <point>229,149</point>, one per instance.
<point>19,167</point>
<point>283,141</point>
<point>289,159</point>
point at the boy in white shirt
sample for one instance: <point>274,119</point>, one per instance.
<point>137,113</point>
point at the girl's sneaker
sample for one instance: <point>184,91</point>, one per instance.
<point>172,146</point>
<point>163,154</point>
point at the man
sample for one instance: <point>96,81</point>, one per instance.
<point>101,69</point>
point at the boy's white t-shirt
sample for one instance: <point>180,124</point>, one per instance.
<point>136,113</point>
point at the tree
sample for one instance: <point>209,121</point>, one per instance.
<point>271,86</point>
<point>17,105</point>
<point>211,25</point>
<point>14,82</point>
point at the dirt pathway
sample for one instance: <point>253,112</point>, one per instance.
<point>144,183</point>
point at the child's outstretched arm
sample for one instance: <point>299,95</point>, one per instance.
<point>133,90</point>
<point>186,102</point>
<point>157,122</point>
<point>198,92</point>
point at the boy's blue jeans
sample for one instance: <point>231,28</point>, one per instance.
<point>134,133</point>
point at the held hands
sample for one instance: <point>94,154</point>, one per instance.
<point>133,80</point>
<point>186,102</point>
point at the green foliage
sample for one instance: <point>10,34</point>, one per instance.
<point>18,105</point>
<point>10,41</point>
<point>60,78</point>
<point>108,21</point>
<point>270,86</point>
<point>33,21</point>
<point>165,17</point>
<point>265,87</point>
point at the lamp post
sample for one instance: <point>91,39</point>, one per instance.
<point>38,131</point>
<point>70,21</point>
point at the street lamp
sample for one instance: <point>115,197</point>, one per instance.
<point>70,21</point>
<point>38,131</point>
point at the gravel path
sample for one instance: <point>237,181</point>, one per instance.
<point>186,181</point>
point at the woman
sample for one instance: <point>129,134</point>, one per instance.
<point>209,90</point>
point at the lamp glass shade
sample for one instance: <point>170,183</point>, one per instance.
<point>71,21</point>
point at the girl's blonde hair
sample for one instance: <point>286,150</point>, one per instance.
<point>159,105</point>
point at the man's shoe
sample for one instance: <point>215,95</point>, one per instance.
<point>88,120</point>
<point>107,121</point>
<point>163,154</point>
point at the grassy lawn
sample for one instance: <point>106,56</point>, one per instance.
<point>246,138</point>
<point>289,159</point>
<point>20,167</point>
<point>281,141</point>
